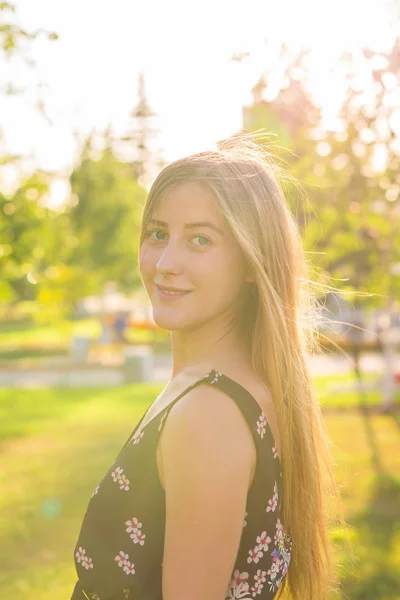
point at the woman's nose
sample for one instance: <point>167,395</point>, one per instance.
<point>170,260</point>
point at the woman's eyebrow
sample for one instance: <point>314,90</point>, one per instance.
<point>190,225</point>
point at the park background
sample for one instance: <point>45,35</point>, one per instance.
<point>94,100</point>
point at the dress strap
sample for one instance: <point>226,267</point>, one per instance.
<point>250,409</point>
<point>246,402</point>
<point>202,379</point>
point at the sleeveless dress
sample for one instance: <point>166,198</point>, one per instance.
<point>119,552</point>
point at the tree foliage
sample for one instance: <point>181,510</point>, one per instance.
<point>12,36</point>
<point>105,216</point>
<point>350,216</point>
<point>34,239</point>
<point>56,257</point>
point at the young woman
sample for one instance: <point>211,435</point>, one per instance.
<point>219,491</point>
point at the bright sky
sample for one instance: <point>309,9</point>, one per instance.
<point>184,50</point>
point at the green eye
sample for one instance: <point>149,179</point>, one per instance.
<point>156,232</point>
<point>205,242</point>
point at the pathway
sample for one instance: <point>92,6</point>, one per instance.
<point>57,374</point>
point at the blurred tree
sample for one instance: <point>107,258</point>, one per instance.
<point>358,168</point>
<point>351,217</point>
<point>105,217</point>
<point>351,210</point>
<point>135,146</point>
<point>13,35</point>
<point>33,239</point>
<point>21,223</point>
<point>292,111</point>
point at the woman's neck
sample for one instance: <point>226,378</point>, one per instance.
<point>196,353</point>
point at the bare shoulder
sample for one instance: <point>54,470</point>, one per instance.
<point>208,423</point>
<point>206,409</point>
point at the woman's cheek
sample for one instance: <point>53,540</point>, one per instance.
<point>144,261</point>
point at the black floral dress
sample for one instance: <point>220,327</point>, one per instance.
<point>119,552</point>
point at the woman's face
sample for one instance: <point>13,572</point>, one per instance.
<point>188,247</point>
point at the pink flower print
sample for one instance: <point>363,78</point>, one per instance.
<point>87,563</point>
<point>121,558</point>
<point>261,425</point>
<point>273,502</point>
<point>260,576</point>
<point>138,538</point>
<point>80,554</point>
<point>81,557</point>
<point>129,568</point>
<point>275,451</point>
<point>96,489</point>
<point>263,541</point>
<point>137,437</point>
<point>238,586</point>
<point>117,473</point>
<point>275,568</point>
<point>123,483</point>
<point>119,476</point>
<point>133,525</point>
<point>255,554</point>
<point>256,589</point>
<point>134,528</point>
<point>259,580</point>
<point>123,561</point>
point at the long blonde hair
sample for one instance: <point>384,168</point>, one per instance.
<point>276,327</point>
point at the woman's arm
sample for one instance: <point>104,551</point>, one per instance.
<point>207,455</point>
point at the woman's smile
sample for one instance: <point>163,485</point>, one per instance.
<point>170,294</point>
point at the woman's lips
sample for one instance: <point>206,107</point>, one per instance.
<point>165,296</point>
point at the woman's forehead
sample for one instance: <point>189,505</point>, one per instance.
<point>188,199</point>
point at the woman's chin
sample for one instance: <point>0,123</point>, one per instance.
<point>167,323</point>
<point>174,324</point>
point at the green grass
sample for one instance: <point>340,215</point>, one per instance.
<point>15,334</point>
<point>334,391</point>
<point>367,451</point>
<point>29,340</point>
<point>56,445</point>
